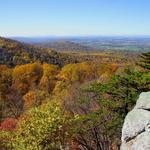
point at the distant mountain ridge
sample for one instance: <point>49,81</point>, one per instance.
<point>62,45</point>
<point>91,43</point>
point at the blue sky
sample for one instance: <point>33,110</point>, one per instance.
<point>74,17</point>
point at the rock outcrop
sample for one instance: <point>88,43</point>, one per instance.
<point>136,128</point>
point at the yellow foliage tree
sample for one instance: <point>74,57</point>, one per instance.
<point>82,72</point>
<point>48,80</point>
<point>27,76</point>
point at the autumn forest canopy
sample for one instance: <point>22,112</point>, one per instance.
<point>54,100</point>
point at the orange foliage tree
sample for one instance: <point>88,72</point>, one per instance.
<point>29,99</point>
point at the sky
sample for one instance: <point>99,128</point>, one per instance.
<point>74,17</point>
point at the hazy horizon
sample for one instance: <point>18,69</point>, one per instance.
<point>79,36</point>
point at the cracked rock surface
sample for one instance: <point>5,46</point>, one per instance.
<point>136,128</point>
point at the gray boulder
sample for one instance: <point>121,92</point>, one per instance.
<point>136,128</point>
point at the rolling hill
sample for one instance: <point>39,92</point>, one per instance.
<point>14,53</point>
<point>62,45</point>
<point>131,43</point>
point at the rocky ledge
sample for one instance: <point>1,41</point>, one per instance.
<point>136,128</point>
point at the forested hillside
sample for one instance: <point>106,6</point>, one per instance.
<point>56,101</point>
<point>14,53</point>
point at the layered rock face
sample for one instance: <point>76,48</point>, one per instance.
<point>136,128</point>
